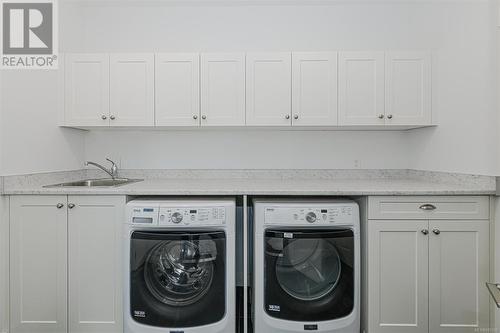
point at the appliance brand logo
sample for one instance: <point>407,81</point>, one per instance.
<point>275,308</point>
<point>29,34</point>
<point>140,314</point>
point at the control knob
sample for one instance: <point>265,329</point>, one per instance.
<point>176,217</point>
<point>311,217</point>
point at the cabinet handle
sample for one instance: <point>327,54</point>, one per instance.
<point>71,205</point>
<point>296,117</point>
<point>195,117</point>
<point>104,117</point>
<point>112,118</point>
<point>381,116</point>
<point>60,205</point>
<point>287,116</point>
<point>425,231</point>
<point>203,117</point>
<point>436,231</point>
<point>427,207</point>
<point>389,116</point>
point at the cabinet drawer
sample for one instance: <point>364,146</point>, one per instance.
<point>433,207</point>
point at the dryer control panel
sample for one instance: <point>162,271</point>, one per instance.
<point>309,215</point>
<point>192,216</point>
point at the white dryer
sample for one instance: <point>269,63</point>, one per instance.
<point>307,266</point>
<point>179,266</point>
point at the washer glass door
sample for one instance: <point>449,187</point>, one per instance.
<point>177,278</point>
<point>309,274</point>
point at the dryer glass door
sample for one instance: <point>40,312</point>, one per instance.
<point>309,274</point>
<point>178,279</point>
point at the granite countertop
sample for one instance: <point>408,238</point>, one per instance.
<point>260,182</point>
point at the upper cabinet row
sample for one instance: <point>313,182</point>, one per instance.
<point>252,89</point>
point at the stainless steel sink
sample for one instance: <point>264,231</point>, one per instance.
<point>104,182</point>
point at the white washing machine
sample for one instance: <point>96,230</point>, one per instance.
<point>307,266</point>
<point>180,266</point>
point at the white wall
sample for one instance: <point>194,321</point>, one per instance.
<point>30,139</point>
<point>460,33</point>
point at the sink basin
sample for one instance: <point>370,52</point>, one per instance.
<point>104,182</point>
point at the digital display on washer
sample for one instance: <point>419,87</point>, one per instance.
<point>192,211</point>
<point>323,211</point>
<point>142,220</point>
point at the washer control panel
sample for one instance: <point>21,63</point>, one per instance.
<point>309,215</point>
<point>192,216</point>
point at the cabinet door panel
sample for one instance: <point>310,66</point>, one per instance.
<point>86,90</point>
<point>397,276</point>
<point>177,77</point>
<point>132,89</point>
<point>361,88</point>
<point>314,88</point>
<point>223,89</point>
<point>269,79</point>
<point>95,264</point>
<point>38,264</point>
<point>458,270</point>
<point>408,88</point>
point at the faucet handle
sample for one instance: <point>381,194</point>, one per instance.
<point>109,160</point>
<point>114,168</point>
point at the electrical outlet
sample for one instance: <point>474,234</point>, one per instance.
<point>357,164</point>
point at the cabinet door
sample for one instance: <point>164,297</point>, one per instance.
<point>458,270</point>
<point>95,263</point>
<point>361,88</point>
<point>223,89</point>
<point>408,88</point>
<point>269,80</point>
<point>398,276</point>
<point>177,89</point>
<point>314,89</point>
<point>38,264</point>
<point>86,90</point>
<point>132,90</point>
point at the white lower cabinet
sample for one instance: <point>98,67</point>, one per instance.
<point>65,264</point>
<point>94,263</point>
<point>398,276</point>
<point>427,275</point>
<point>38,264</point>
<point>458,270</point>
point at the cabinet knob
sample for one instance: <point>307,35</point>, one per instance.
<point>381,116</point>
<point>195,117</point>
<point>427,207</point>
<point>389,116</point>
<point>112,118</point>
<point>296,117</point>
<point>287,116</point>
<point>436,231</point>
<point>60,205</point>
<point>425,231</point>
<point>71,205</point>
<point>203,117</point>
<point>104,117</point>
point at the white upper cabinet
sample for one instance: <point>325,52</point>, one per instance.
<point>361,88</point>
<point>281,89</point>
<point>268,90</point>
<point>86,90</point>
<point>132,89</point>
<point>314,89</point>
<point>177,89</point>
<point>223,89</point>
<point>408,88</point>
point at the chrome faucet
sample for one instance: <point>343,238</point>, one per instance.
<point>113,171</point>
